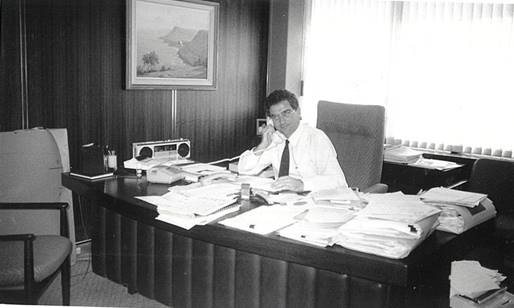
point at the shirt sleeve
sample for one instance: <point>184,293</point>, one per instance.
<point>328,172</point>
<point>252,164</point>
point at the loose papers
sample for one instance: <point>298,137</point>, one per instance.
<point>197,204</point>
<point>445,195</point>
<point>391,225</point>
<point>401,154</point>
<point>383,238</point>
<point>189,222</point>
<point>436,164</point>
<point>470,279</point>
<point>397,207</point>
<point>318,225</point>
<point>456,218</point>
<point>339,194</point>
<point>265,219</point>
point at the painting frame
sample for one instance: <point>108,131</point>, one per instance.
<point>171,44</point>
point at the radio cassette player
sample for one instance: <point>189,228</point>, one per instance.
<point>166,149</point>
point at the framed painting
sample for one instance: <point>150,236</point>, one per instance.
<point>171,44</point>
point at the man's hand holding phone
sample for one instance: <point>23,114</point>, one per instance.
<point>267,138</point>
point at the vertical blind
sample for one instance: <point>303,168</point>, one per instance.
<point>443,70</point>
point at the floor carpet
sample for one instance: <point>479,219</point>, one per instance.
<point>90,289</point>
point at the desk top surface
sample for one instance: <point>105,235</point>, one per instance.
<point>118,193</point>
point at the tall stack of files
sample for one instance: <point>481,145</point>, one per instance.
<point>461,210</point>
<point>472,285</point>
<point>195,204</point>
<point>391,225</point>
<point>401,154</point>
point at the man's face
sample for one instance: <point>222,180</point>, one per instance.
<point>285,118</point>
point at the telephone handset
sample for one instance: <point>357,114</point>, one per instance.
<point>269,122</point>
<point>277,137</point>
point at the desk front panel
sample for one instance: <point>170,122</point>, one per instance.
<point>181,271</point>
<point>216,266</point>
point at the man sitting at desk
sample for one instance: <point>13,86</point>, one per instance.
<point>303,158</point>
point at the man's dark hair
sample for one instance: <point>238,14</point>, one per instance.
<point>277,96</point>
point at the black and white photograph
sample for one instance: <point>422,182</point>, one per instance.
<point>257,153</point>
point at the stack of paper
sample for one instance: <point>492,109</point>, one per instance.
<point>194,172</point>
<point>397,207</point>
<point>195,204</point>
<point>436,164</point>
<point>148,163</point>
<point>461,210</point>
<point>339,194</point>
<point>443,195</point>
<point>401,154</point>
<point>391,225</point>
<point>318,225</point>
<point>265,219</point>
<point>469,279</point>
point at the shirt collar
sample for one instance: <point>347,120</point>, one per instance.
<point>297,133</point>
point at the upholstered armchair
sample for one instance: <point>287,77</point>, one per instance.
<point>357,132</point>
<point>29,262</point>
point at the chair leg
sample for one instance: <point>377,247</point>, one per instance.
<point>65,281</point>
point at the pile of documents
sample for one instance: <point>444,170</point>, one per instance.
<point>435,164</point>
<point>336,195</point>
<point>195,204</point>
<point>342,197</point>
<point>391,225</point>
<point>472,285</point>
<point>318,225</point>
<point>148,163</point>
<point>461,210</point>
<point>265,219</point>
<point>194,172</point>
<point>443,195</point>
<point>401,154</point>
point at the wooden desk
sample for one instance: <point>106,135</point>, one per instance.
<point>216,266</point>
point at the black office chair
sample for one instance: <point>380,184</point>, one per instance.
<point>357,132</point>
<point>29,263</point>
<point>495,178</point>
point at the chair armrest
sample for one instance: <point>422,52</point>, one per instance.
<point>17,237</point>
<point>33,205</point>
<point>61,206</point>
<point>378,188</point>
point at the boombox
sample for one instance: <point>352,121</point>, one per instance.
<point>166,149</point>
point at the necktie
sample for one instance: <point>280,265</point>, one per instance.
<point>284,161</point>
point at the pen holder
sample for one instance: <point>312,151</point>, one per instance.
<point>112,162</point>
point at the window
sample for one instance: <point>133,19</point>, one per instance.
<point>443,70</point>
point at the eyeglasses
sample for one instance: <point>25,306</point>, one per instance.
<point>285,114</point>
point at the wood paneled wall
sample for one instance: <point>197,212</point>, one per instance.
<point>76,67</point>
<point>10,95</point>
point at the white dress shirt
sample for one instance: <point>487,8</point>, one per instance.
<point>313,159</point>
